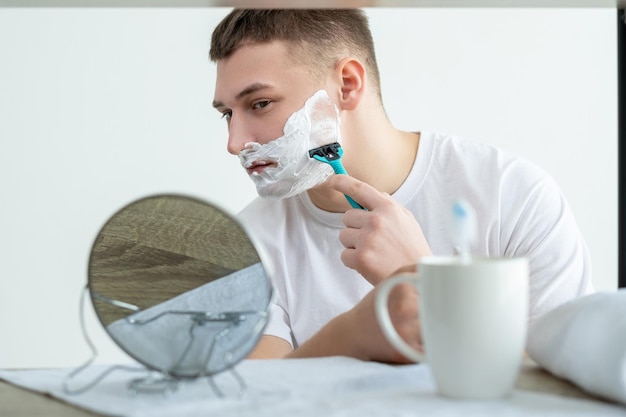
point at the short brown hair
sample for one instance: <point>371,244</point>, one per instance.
<point>318,38</point>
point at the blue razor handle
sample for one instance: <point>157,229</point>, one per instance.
<point>331,155</point>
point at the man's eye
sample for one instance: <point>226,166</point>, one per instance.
<point>227,114</point>
<point>261,104</point>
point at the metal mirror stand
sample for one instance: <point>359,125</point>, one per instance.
<point>163,382</point>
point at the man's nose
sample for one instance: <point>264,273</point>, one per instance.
<point>238,136</point>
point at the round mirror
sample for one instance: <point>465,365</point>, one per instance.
<point>179,285</point>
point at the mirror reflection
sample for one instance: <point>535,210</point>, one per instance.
<point>179,285</point>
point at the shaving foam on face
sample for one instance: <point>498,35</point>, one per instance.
<point>316,124</point>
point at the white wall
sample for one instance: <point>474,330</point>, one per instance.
<point>99,107</point>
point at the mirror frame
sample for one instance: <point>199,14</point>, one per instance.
<point>260,252</point>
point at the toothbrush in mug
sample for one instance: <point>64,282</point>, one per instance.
<point>463,229</point>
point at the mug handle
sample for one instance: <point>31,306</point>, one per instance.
<point>382,313</point>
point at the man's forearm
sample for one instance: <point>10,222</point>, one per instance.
<point>337,338</point>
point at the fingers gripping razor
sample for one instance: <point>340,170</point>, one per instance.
<point>331,154</point>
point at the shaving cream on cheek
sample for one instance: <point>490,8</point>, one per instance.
<point>316,124</point>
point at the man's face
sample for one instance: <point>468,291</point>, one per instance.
<point>257,88</point>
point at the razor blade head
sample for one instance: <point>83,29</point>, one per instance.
<point>330,152</point>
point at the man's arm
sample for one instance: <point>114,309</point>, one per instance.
<point>271,347</point>
<point>355,333</point>
<point>331,340</point>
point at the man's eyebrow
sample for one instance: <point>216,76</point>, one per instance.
<point>248,90</point>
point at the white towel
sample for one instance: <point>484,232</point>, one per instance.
<point>584,341</point>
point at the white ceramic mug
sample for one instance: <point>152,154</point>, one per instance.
<point>473,318</point>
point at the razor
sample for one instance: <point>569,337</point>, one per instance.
<point>331,154</point>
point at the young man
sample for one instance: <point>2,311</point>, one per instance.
<point>328,257</point>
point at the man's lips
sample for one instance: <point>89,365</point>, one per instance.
<point>259,166</point>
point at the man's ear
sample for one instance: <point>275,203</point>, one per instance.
<point>351,74</point>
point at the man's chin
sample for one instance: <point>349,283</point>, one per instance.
<point>285,189</point>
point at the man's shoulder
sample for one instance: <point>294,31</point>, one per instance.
<point>487,156</point>
<point>464,145</point>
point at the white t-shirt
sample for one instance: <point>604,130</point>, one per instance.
<point>519,208</point>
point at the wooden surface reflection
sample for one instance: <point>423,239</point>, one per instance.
<point>160,247</point>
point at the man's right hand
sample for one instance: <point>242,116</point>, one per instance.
<point>403,310</point>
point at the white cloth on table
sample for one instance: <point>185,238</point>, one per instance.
<point>329,387</point>
<point>584,341</point>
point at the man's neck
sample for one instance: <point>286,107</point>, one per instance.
<point>379,155</point>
